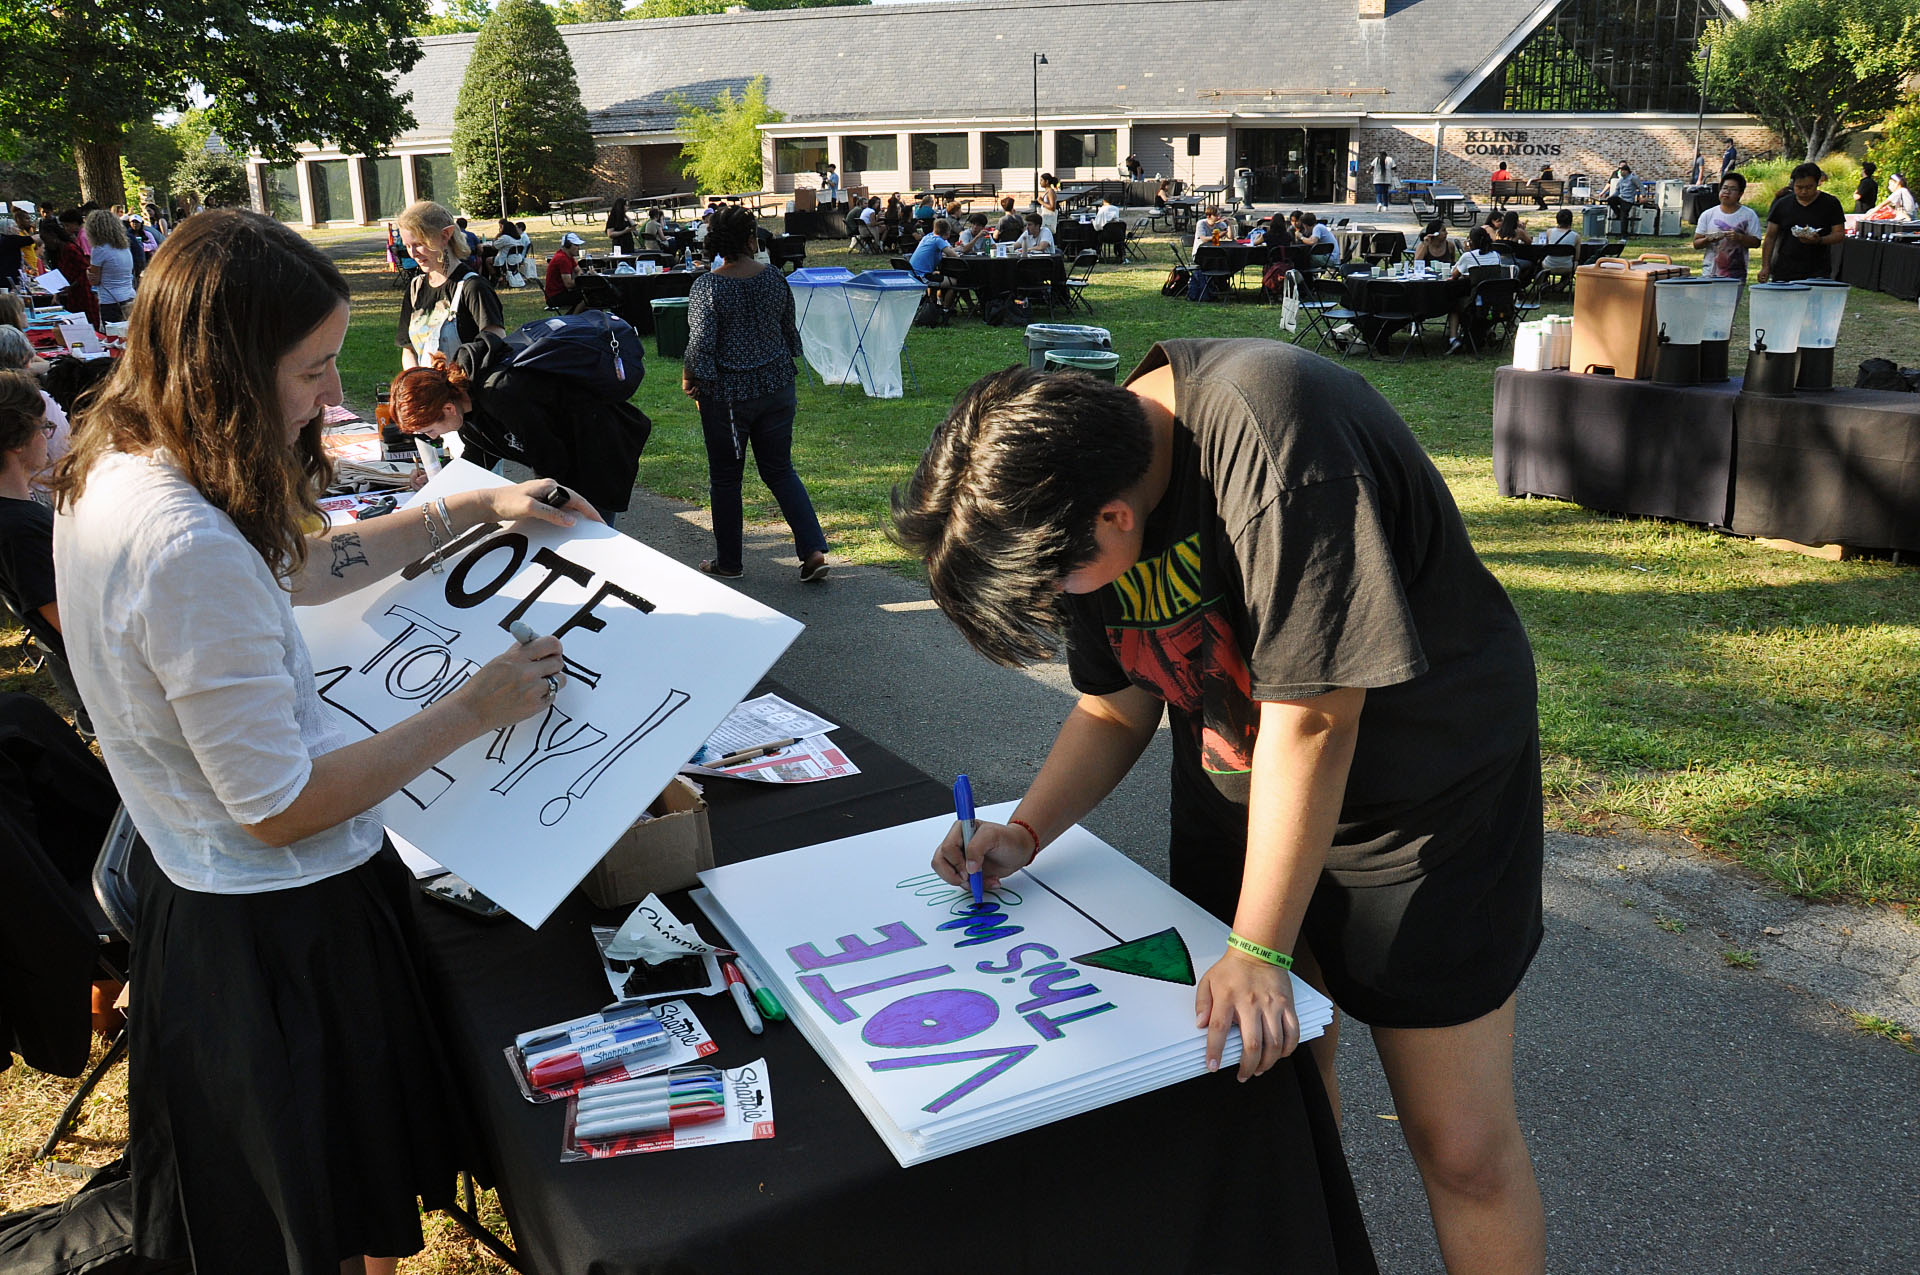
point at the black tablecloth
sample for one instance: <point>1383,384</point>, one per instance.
<point>990,277</point>
<point>631,296</point>
<point>1860,262</point>
<point>1208,1175</point>
<point>1841,467</point>
<point>1900,270</point>
<point>1628,447</point>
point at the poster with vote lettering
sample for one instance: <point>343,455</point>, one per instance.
<point>951,1022</point>
<point>657,654</point>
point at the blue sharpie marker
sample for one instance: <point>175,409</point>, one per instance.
<point>963,811</point>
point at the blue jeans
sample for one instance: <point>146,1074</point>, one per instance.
<point>766,423</point>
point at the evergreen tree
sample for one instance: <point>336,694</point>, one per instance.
<point>722,149</point>
<point>521,65</point>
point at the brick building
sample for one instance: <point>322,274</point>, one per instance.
<point>902,97</point>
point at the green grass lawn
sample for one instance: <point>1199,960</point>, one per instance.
<point>1762,703</point>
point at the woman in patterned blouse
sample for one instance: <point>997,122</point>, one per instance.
<point>741,345</point>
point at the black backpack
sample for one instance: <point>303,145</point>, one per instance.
<point>88,1233</point>
<point>1176,284</point>
<point>931,315</point>
<point>597,353</point>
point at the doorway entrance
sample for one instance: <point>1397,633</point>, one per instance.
<point>1308,165</point>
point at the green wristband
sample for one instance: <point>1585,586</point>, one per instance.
<point>1253,949</point>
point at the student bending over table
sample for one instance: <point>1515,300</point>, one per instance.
<point>1247,538</point>
<point>292,1101</point>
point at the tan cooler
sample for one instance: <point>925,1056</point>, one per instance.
<point>1614,329</point>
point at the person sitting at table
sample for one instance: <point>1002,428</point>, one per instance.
<point>1213,227</point>
<point>1492,223</point>
<point>505,239</point>
<point>1565,239</point>
<point>563,280</point>
<point>1480,252</point>
<point>1314,232</point>
<point>923,209</point>
<point>1162,193</point>
<point>1036,238</point>
<point>1105,213</point>
<point>1435,245</point>
<point>925,261</point>
<point>26,524</point>
<point>1510,236</point>
<point>654,235</point>
<point>316,1106</point>
<point>1899,203</point>
<point>1011,225</point>
<point>868,227</point>
<point>978,236</point>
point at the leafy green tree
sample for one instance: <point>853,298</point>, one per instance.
<point>454,16</point>
<point>688,8</point>
<point>1815,72</point>
<point>38,169</point>
<point>568,11</point>
<point>215,179</point>
<point>520,66</point>
<point>722,149</point>
<point>280,72</point>
<point>148,157</point>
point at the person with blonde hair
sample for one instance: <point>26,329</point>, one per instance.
<point>293,1106</point>
<point>447,304</point>
<point>110,266</point>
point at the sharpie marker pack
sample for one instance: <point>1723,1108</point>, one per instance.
<point>618,1043</point>
<point>686,1107</point>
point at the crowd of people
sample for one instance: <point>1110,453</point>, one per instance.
<point>100,254</point>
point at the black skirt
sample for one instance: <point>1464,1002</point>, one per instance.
<point>289,1096</point>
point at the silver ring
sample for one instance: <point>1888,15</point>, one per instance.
<point>553,684</point>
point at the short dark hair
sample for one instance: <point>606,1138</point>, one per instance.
<point>1738,179</point>
<point>942,227</point>
<point>1035,219</point>
<point>730,233</point>
<point>977,219</point>
<point>1003,505</point>
<point>1432,228</point>
<point>1564,217</point>
<point>1809,169</point>
<point>1869,168</point>
<point>22,410</point>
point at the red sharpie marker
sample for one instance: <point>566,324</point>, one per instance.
<point>598,1054</point>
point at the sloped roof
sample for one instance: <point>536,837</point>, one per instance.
<point>932,61</point>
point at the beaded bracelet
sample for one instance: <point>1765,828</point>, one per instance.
<point>1259,951</point>
<point>1028,828</point>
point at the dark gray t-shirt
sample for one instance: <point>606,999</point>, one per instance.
<point>1305,543</point>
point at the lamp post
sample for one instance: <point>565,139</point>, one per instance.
<point>1039,60</point>
<point>1699,118</point>
<point>499,165</point>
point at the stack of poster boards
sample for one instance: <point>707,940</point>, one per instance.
<point>953,1023</point>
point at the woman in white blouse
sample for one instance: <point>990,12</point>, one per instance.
<point>292,1099</point>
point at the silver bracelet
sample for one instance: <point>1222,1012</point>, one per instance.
<point>433,537</point>
<point>446,520</point>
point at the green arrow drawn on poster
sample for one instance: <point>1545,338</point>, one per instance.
<point>1163,956</point>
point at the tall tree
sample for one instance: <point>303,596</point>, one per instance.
<point>1815,72</point>
<point>454,16</point>
<point>565,11</point>
<point>722,149</point>
<point>520,66</point>
<point>687,8</point>
<point>280,72</point>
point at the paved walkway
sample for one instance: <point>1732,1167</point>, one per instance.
<point>1685,1115</point>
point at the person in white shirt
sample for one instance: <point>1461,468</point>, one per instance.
<point>1899,203</point>
<point>1726,233</point>
<point>273,932</point>
<point>866,233</point>
<point>1105,214</point>
<point>1036,239</point>
<point>1383,179</point>
<point>1204,229</point>
<point>1562,236</point>
<point>978,236</point>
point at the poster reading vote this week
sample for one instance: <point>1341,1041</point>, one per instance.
<point>657,654</point>
<point>951,1022</point>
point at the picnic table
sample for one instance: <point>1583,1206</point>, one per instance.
<point>569,211</point>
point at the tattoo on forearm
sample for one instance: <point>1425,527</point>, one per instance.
<point>346,553</point>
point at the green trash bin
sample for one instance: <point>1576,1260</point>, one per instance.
<point>670,326</point>
<point>1101,363</point>
<point>1042,337</point>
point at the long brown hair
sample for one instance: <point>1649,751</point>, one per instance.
<point>224,299</point>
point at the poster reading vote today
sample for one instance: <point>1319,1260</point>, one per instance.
<point>657,654</point>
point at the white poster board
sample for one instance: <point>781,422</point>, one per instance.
<point>952,1023</point>
<point>657,654</point>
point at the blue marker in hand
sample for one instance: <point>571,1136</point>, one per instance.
<point>963,811</point>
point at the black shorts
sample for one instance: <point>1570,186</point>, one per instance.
<point>1446,947</point>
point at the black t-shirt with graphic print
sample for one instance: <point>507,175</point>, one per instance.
<point>1306,542</point>
<point>478,308</point>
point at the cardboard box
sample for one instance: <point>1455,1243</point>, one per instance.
<point>666,852</point>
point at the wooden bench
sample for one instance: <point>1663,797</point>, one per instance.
<point>1501,191</point>
<point>585,208</point>
<point>1552,191</point>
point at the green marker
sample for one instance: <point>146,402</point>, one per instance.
<point>763,996</point>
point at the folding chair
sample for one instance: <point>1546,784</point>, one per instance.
<point>1309,308</point>
<point>1136,245</point>
<point>1389,305</point>
<point>1491,306</point>
<point>1079,276</point>
<point>1211,261</point>
<point>1036,285</point>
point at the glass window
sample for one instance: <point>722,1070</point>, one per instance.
<point>871,154</point>
<point>281,186</point>
<point>940,150</point>
<point>1093,148</point>
<point>332,190</point>
<point>435,178</point>
<point>799,155</point>
<point>1592,55</point>
<point>380,182</point>
<point>1007,150</point>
